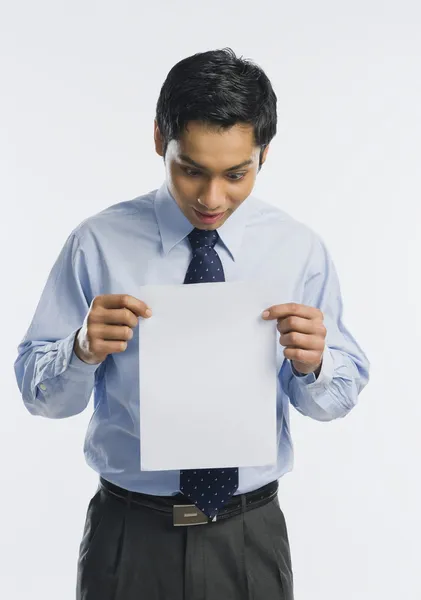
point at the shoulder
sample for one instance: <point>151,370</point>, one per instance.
<point>119,218</point>
<point>275,223</point>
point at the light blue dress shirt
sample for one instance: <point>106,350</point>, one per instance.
<point>143,241</point>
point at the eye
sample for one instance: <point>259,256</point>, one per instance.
<point>191,172</point>
<point>236,176</point>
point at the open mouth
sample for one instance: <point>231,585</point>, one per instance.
<point>208,218</point>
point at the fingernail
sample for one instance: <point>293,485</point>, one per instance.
<point>148,312</point>
<point>265,314</point>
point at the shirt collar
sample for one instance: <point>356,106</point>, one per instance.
<point>174,226</point>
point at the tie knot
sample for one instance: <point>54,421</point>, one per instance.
<point>199,238</point>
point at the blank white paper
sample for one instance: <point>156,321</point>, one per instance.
<point>207,377</point>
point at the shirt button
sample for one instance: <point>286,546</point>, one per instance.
<point>43,387</point>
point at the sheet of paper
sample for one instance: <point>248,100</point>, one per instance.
<point>207,377</point>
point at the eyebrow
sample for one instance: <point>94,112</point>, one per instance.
<point>189,160</point>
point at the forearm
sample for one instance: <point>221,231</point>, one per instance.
<point>53,381</point>
<point>335,391</point>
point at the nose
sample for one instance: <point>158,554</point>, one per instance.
<point>212,197</point>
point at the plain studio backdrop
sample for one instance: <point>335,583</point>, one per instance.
<point>79,83</point>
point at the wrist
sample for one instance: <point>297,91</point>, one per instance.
<point>81,354</point>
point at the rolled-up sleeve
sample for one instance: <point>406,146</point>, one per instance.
<point>345,367</point>
<point>52,380</point>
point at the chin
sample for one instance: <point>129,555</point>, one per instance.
<point>208,227</point>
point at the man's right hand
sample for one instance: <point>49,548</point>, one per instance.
<point>108,326</point>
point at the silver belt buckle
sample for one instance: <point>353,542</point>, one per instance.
<point>188,514</point>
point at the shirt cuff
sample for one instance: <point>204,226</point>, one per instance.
<point>78,364</point>
<point>69,364</point>
<point>325,375</point>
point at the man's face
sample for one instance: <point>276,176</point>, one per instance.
<point>210,172</point>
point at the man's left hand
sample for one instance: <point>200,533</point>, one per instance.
<point>302,333</point>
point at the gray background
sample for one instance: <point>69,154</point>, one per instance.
<point>79,82</point>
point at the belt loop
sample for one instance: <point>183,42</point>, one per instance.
<point>243,503</point>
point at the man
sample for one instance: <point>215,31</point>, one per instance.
<point>216,115</point>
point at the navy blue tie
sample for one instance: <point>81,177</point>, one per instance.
<point>208,489</point>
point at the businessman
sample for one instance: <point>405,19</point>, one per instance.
<point>205,534</point>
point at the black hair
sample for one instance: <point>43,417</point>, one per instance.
<point>220,89</point>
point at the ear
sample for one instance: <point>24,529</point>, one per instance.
<point>265,152</point>
<point>159,145</point>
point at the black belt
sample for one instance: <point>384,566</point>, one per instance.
<point>188,514</point>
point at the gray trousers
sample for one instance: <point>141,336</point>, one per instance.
<point>133,552</point>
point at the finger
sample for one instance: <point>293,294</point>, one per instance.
<point>118,316</point>
<point>113,332</point>
<point>108,347</point>
<point>308,357</point>
<point>301,340</point>
<point>301,326</point>
<point>291,309</point>
<point>139,308</point>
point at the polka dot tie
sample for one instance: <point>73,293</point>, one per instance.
<point>208,489</point>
